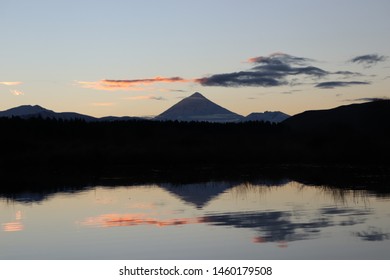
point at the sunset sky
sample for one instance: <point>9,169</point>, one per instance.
<point>138,58</point>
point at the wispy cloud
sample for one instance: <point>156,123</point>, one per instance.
<point>11,83</point>
<point>136,84</point>
<point>334,84</point>
<point>144,97</point>
<point>17,92</point>
<point>368,60</point>
<point>367,99</point>
<point>103,104</point>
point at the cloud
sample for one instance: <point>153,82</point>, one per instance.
<point>269,71</point>
<point>280,57</point>
<point>145,97</point>
<point>103,104</point>
<point>368,60</point>
<point>10,83</point>
<point>17,92</point>
<point>367,99</point>
<point>334,84</point>
<point>277,69</point>
<point>136,85</point>
<point>347,73</point>
<point>242,79</point>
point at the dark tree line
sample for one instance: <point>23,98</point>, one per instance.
<point>58,144</point>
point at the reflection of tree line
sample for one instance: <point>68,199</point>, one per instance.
<point>195,193</point>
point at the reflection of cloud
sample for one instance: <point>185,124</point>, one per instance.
<point>13,226</point>
<point>271,226</point>
<point>18,215</point>
<point>344,211</point>
<point>137,219</point>
<point>10,83</point>
<point>372,234</point>
<point>279,226</point>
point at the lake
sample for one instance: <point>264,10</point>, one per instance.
<point>278,219</point>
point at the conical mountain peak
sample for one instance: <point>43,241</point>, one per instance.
<point>197,95</point>
<point>196,107</point>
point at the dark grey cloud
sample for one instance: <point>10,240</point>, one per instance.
<point>367,99</point>
<point>347,73</point>
<point>368,60</point>
<point>244,79</point>
<point>334,84</point>
<point>269,71</point>
<point>283,69</point>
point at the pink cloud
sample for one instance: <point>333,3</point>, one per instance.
<point>136,85</point>
<point>10,83</point>
<point>103,104</point>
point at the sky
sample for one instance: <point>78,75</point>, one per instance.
<point>138,58</point>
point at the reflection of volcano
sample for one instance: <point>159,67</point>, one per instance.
<point>198,194</point>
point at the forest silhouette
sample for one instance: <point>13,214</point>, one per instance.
<point>349,135</point>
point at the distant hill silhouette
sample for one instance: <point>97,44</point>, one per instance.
<point>24,110</point>
<point>36,111</point>
<point>357,133</point>
<point>198,108</point>
<point>275,117</point>
<point>364,117</point>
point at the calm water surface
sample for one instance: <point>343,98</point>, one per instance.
<point>215,220</point>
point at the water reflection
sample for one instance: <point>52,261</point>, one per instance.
<point>372,234</point>
<point>136,219</point>
<point>272,226</point>
<point>245,219</point>
<point>14,225</point>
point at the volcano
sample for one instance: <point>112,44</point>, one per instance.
<point>198,108</point>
